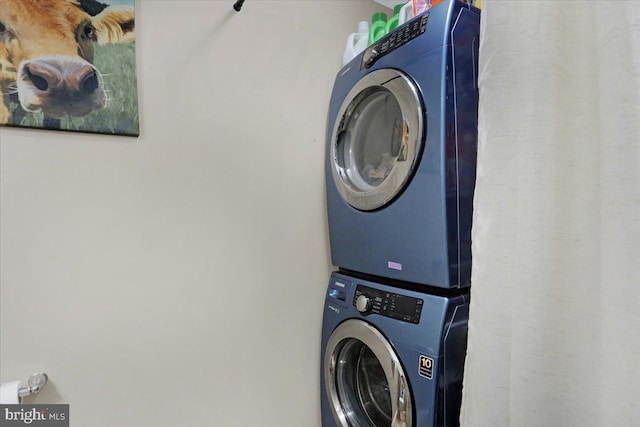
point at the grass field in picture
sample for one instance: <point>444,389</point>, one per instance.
<point>116,62</point>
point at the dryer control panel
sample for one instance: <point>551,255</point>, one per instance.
<point>396,306</point>
<point>402,35</point>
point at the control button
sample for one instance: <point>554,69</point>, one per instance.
<point>373,56</point>
<point>363,303</point>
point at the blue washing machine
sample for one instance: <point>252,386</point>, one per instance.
<point>391,356</point>
<point>401,151</point>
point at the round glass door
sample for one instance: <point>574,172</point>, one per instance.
<point>377,139</point>
<point>365,382</point>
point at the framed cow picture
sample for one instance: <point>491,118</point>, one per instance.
<point>69,65</point>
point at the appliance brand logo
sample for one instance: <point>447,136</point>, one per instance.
<point>336,309</point>
<point>35,415</point>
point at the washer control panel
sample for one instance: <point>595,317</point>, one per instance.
<point>374,301</point>
<point>398,37</point>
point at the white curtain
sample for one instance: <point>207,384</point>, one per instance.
<point>554,333</point>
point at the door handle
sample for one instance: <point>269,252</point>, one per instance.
<point>400,416</point>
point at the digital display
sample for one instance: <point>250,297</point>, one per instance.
<point>403,305</point>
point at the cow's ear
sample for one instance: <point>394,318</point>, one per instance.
<point>128,26</point>
<point>116,24</point>
<point>92,7</point>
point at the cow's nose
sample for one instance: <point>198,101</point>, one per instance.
<point>47,75</point>
<point>60,86</point>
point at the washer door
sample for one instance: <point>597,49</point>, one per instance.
<point>377,139</point>
<point>365,382</point>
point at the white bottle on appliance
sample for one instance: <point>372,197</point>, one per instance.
<point>356,42</point>
<point>406,13</point>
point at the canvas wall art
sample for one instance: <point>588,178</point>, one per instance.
<point>69,65</point>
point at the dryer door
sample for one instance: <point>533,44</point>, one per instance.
<point>365,382</point>
<point>377,139</point>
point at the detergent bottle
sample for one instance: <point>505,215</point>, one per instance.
<point>406,13</point>
<point>393,23</point>
<point>420,6</point>
<point>356,42</point>
<point>378,27</point>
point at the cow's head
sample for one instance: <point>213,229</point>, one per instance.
<point>49,45</point>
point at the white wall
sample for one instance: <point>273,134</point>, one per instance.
<point>178,279</point>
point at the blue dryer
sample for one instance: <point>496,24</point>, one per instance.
<point>391,356</point>
<point>401,151</point>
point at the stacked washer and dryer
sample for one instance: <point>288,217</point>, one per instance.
<point>400,174</point>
